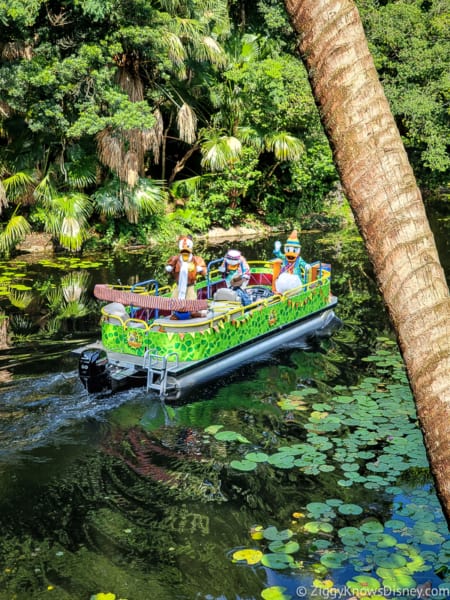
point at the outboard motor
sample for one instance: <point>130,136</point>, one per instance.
<point>93,370</point>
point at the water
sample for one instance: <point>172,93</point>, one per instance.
<point>125,495</point>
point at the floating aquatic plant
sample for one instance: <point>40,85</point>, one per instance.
<point>273,534</point>
<point>275,592</point>
<point>250,556</point>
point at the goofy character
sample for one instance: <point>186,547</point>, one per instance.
<point>290,270</point>
<point>185,267</point>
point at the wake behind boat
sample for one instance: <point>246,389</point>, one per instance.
<point>172,345</point>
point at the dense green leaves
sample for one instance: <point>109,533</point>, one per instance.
<point>412,55</point>
<point>198,92</point>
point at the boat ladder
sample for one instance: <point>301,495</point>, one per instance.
<point>158,368</point>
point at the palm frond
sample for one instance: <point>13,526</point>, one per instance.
<point>45,189</point>
<point>186,187</point>
<point>110,149</point>
<point>3,198</point>
<point>20,299</point>
<point>14,232</point>
<point>74,285</point>
<point>209,49</point>
<point>54,297</point>
<point>69,220</point>
<point>108,199</point>
<point>70,235</point>
<point>73,310</point>
<point>130,168</point>
<point>175,49</point>
<point>286,147</point>
<point>144,199</point>
<point>249,48</point>
<point>81,173</point>
<point>218,153</point>
<point>187,123</point>
<point>171,6</point>
<point>18,184</point>
<point>152,138</point>
<point>251,137</point>
<point>186,28</point>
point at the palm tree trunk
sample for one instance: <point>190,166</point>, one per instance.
<point>387,204</point>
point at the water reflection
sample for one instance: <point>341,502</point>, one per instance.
<point>128,495</point>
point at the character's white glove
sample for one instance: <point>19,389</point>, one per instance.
<point>169,268</point>
<point>199,269</point>
<point>277,246</point>
<point>222,268</point>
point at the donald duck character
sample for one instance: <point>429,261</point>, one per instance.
<point>290,270</point>
<point>185,267</point>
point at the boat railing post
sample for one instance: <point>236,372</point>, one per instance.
<point>146,284</point>
<point>208,275</point>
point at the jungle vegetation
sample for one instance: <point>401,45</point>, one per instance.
<point>130,121</point>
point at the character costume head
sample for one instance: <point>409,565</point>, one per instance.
<point>233,258</point>
<point>292,247</point>
<point>185,246</point>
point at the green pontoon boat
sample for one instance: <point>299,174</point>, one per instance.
<point>149,338</point>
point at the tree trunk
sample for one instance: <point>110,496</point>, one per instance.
<point>387,204</point>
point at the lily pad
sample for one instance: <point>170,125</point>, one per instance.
<point>318,526</point>
<point>273,534</point>
<point>431,538</point>
<point>363,585</point>
<point>333,559</point>
<point>351,536</point>
<point>318,508</point>
<point>289,548</point>
<point>257,457</point>
<point>396,580</point>
<point>326,468</point>
<point>350,466</point>
<point>395,524</point>
<point>248,555</point>
<point>320,544</point>
<point>382,540</point>
<point>372,526</point>
<point>334,502</point>
<point>231,436</point>
<point>277,560</point>
<point>275,592</point>
<point>393,561</point>
<point>282,460</point>
<point>243,465</point>
<point>350,509</point>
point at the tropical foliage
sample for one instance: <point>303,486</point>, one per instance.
<point>112,113</point>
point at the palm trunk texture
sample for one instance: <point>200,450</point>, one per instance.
<point>387,204</point>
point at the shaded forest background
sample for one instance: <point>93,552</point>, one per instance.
<point>125,122</point>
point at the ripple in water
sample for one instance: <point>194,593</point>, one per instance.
<point>48,410</point>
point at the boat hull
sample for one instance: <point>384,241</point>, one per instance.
<point>124,370</point>
<point>318,326</point>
